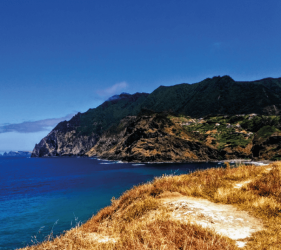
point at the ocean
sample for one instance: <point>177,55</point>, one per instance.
<point>43,196</point>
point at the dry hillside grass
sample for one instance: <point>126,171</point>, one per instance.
<point>139,220</point>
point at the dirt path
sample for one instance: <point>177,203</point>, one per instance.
<point>223,219</point>
<point>243,183</point>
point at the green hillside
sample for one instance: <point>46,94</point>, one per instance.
<point>219,95</point>
<point>110,113</point>
<point>212,96</point>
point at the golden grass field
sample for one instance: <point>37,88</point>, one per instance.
<point>142,219</point>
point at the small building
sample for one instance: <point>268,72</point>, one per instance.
<point>228,125</point>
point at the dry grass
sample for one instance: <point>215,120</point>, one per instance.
<point>127,223</point>
<point>269,185</point>
<point>165,234</point>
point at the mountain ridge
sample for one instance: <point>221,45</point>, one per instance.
<point>210,97</point>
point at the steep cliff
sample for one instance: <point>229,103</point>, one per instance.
<point>152,138</point>
<point>160,137</point>
<point>80,134</point>
<point>65,140</point>
<point>117,129</point>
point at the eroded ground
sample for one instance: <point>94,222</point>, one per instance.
<point>225,220</point>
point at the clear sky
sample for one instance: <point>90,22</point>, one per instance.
<point>58,57</point>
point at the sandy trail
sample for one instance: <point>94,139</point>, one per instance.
<point>223,219</point>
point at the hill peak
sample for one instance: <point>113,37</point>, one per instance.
<point>225,78</point>
<point>116,97</point>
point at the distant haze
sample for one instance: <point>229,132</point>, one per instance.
<point>14,141</point>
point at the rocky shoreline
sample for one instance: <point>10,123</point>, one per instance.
<point>235,161</point>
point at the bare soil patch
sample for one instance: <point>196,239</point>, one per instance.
<point>225,220</point>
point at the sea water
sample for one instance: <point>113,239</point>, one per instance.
<point>44,196</point>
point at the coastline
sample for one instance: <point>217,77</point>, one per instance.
<point>180,202</point>
<point>235,161</point>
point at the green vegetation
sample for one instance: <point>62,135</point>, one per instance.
<point>230,131</point>
<point>266,131</point>
<point>217,95</point>
<point>98,120</point>
<point>233,140</point>
<point>238,116</point>
<point>258,122</point>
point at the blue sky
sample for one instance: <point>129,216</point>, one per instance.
<point>60,57</point>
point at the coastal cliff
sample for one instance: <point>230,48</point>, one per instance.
<point>81,133</point>
<point>149,139</point>
<point>64,140</point>
<point>215,119</point>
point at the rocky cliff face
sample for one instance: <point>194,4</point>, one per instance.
<point>81,133</point>
<point>152,138</point>
<point>164,138</point>
<point>159,137</point>
<point>269,148</point>
<point>118,129</point>
<point>64,140</point>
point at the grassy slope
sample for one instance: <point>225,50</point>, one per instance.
<point>127,219</point>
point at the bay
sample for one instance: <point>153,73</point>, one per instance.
<point>40,196</point>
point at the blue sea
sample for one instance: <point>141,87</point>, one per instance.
<point>40,196</point>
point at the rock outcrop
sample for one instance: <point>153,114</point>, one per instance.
<point>65,140</point>
<point>269,148</point>
<point>81,133</point>
<point>151,139</point>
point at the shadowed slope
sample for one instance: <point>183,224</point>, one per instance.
<point>219,95</point>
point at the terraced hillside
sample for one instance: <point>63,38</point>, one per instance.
<point>244,136</point>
